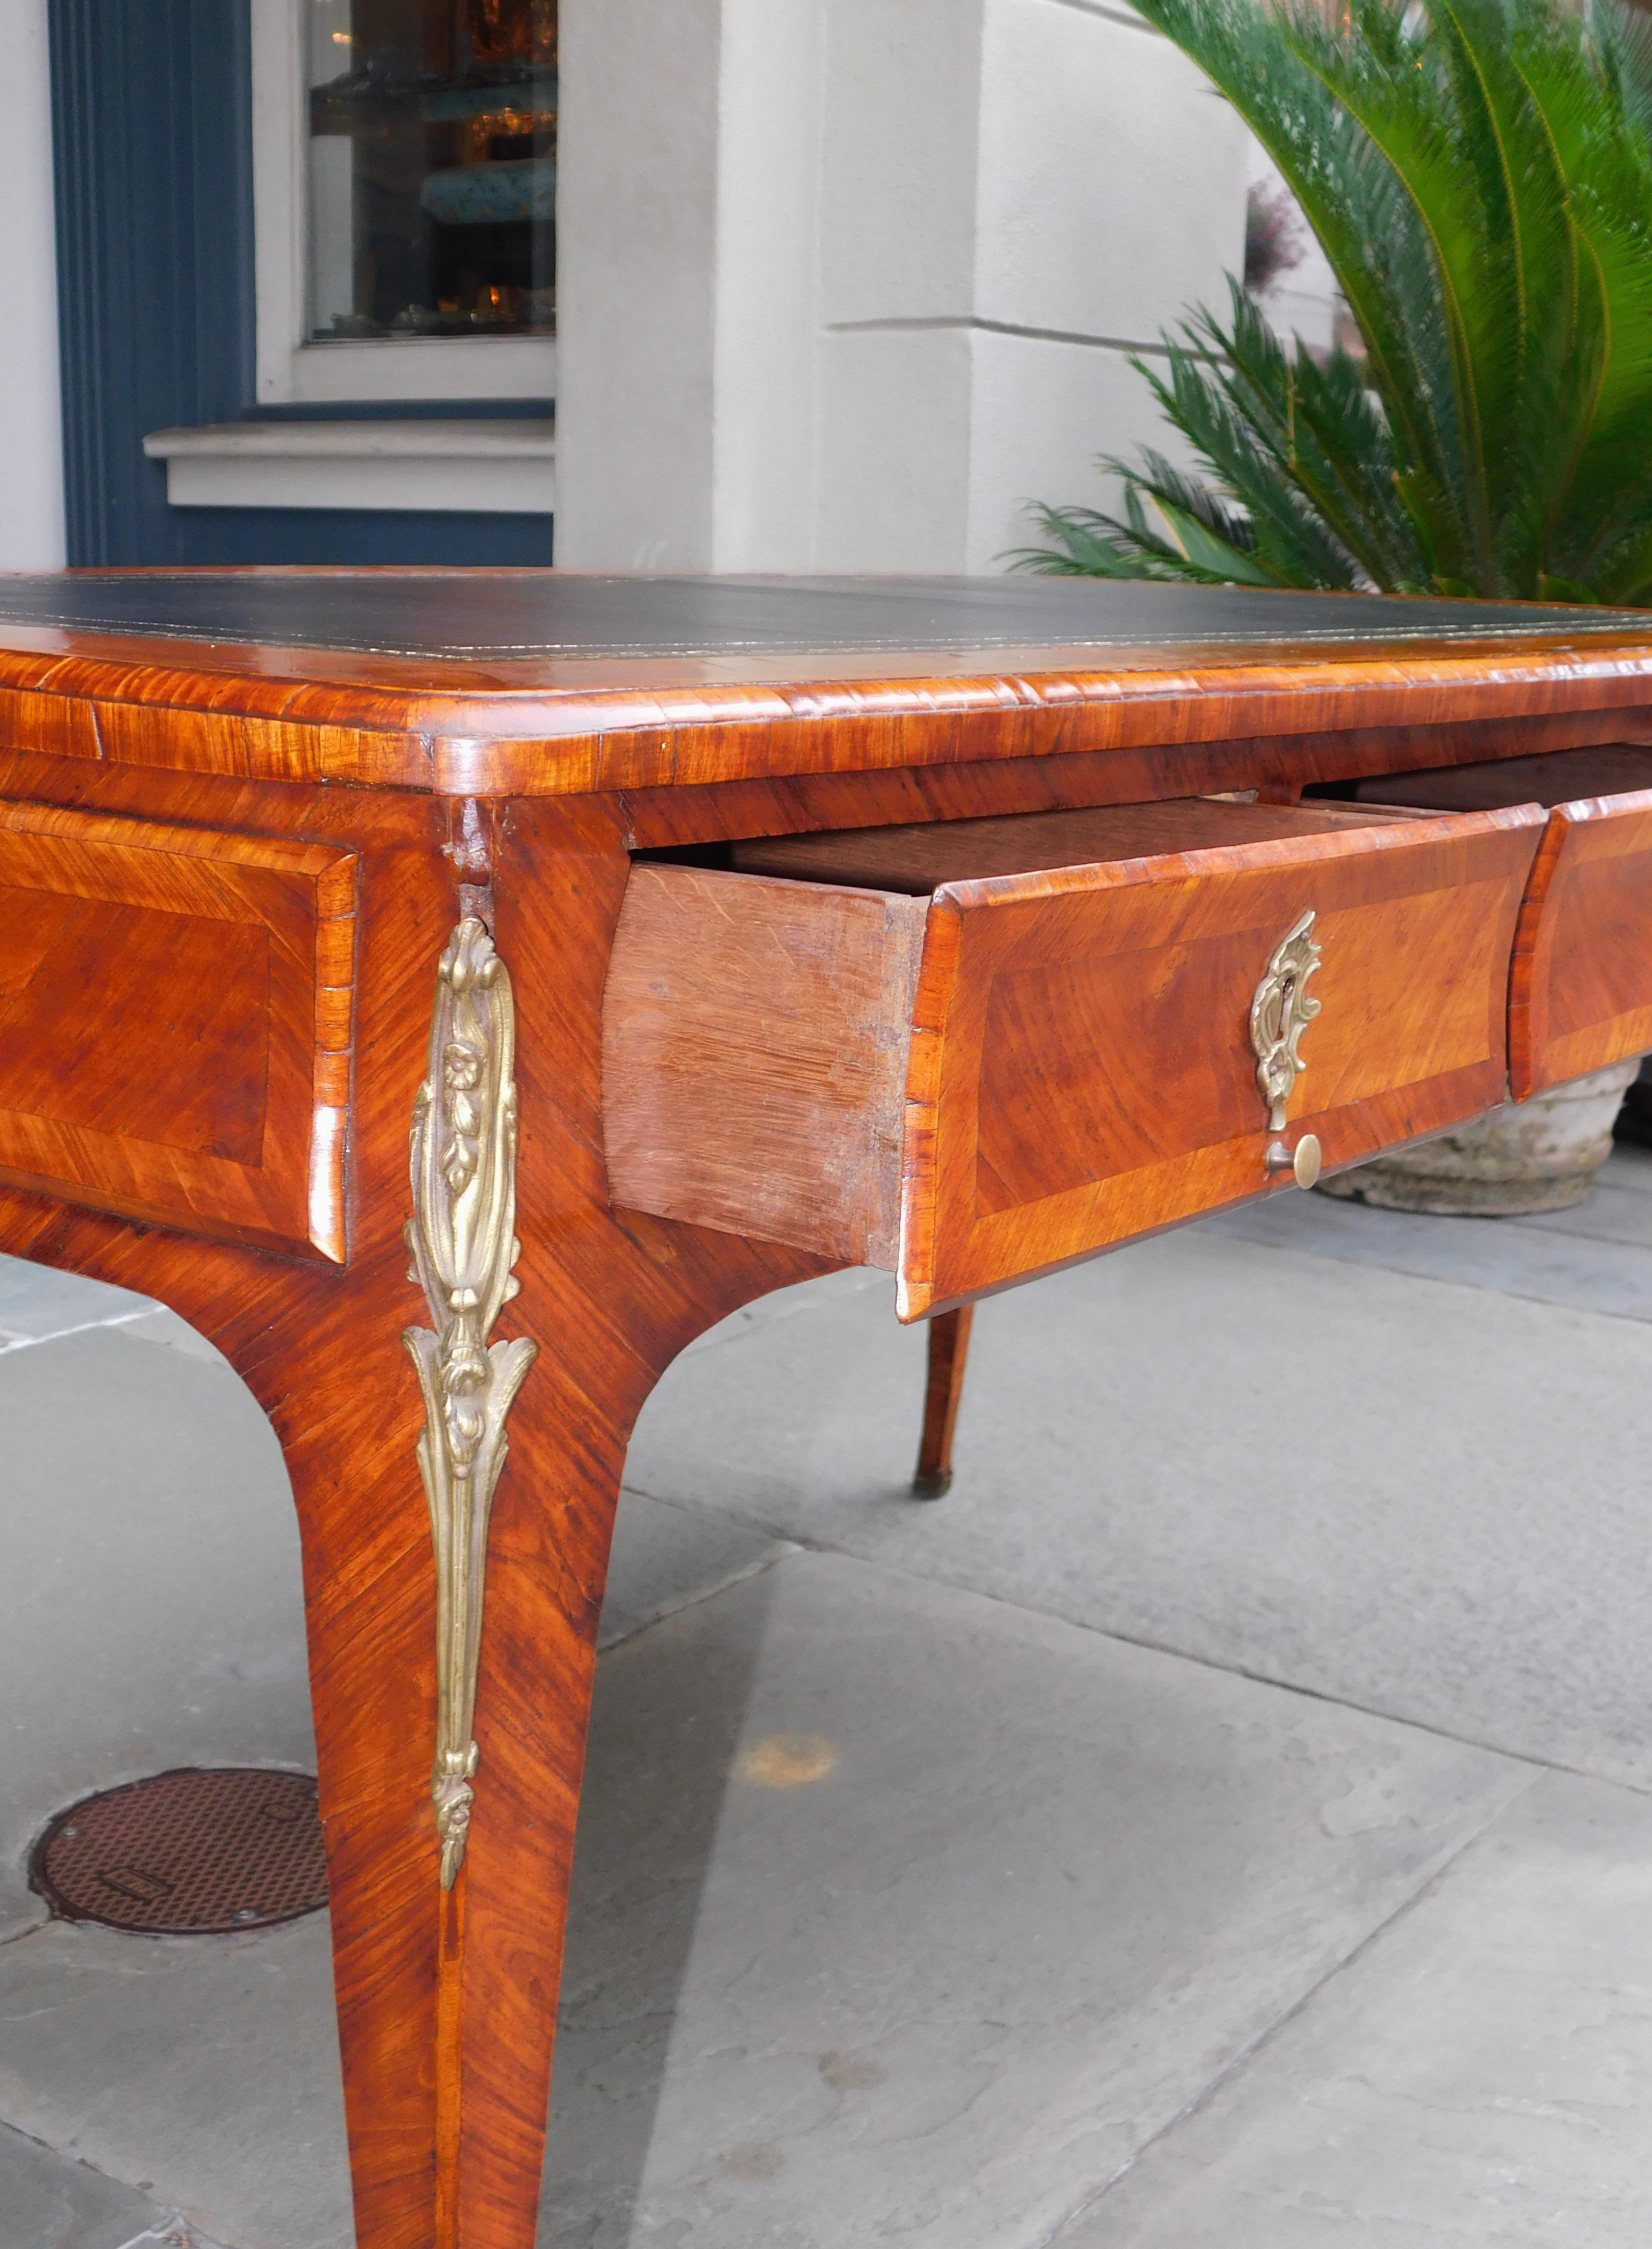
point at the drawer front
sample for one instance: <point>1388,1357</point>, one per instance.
<point>1581,995</point>
<point>176,1010</point>
<point>1081,1067</point>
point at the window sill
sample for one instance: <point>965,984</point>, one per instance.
<point>496,467</point>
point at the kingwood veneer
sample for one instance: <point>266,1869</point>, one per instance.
<point>810,922</point>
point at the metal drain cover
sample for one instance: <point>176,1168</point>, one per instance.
<point>187,1854</point>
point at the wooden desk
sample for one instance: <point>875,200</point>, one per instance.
<point>572,879</point>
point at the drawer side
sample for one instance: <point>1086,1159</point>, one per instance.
<point>754,1036</point>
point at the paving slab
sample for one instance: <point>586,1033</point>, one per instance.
<point>664,1556</point>
<point>49,2201</point>
<point>36,1302</point>
<point>207,2066</point>
<point>39,1305</point>
<point>791,1303</point>
<point>154,1603</point>
<point>173,2231</point>
<point>1482,2074</point>
<point>1425,1499</point>
<point>1597,1256</point>
<point>1617,1208</point>
<point>897,1912</point>
<point>901,1914</point>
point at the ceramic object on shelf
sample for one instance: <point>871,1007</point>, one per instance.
<point>492,194</point>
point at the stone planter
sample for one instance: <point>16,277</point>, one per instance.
<point>1541,1156</point>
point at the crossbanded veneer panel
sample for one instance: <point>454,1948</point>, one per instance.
<point>174,1023</point>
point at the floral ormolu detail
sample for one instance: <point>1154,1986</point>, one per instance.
<point>463,1238</point>
<point>462,1074</point>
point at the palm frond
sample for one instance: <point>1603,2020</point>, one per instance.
<point>1478,173</point>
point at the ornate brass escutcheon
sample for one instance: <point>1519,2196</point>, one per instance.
<point>462,1235</point>
<point>1280,1012</point>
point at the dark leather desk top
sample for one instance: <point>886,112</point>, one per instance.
<point>499,682</point>
<point>523,614</point>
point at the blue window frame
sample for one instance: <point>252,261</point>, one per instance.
<point>153,155</point>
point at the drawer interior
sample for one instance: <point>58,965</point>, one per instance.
<point>1551,777</point>
<point>914,860</point>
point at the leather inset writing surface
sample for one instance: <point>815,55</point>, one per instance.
<point>501,615</point>
<point>522,683</point>
<point>174,1023</point>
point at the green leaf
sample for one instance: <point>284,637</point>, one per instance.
<point>1479,175</point>
<point>1207,551</point>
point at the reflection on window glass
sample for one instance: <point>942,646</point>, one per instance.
<point>432,168</point>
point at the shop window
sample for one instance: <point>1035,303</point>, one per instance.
<point>405,182</point>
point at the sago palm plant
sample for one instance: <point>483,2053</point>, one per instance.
<point>1479,174</point>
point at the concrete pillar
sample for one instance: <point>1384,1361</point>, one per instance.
<point>637,136</point>
<point>31,534</point>
<point>899,259</point>
<point>766,285</point>
<point>843,284</point>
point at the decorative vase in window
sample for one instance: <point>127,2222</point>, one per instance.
<point>512,31</point>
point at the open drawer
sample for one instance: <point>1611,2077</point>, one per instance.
<point>976,1050</point>
<point>1581,995</point>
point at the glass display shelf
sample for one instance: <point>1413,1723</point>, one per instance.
<point>432,130</point>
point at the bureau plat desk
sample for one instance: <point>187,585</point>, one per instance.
<point>697,937</point>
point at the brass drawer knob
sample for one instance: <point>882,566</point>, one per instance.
<point>1303,1161</point>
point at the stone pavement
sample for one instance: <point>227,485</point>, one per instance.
<point>1225,1822</point>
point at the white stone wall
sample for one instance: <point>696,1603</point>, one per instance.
<point>1111,196</point>
<point>900,166</point>
<point>845,284</point>
<point>765,283</point>
<point>635,257</point>
<point>31,422</point>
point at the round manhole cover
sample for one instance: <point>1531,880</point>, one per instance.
<point>187,1854</point>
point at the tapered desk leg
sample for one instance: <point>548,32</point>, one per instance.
<point>449,1901</point>
<point>453,1673</point>
<point>948,1354</point>
<point>447,1961</point>
<point>608,1299</point>
<point>447,1995</point>
<point>446,1992</point>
